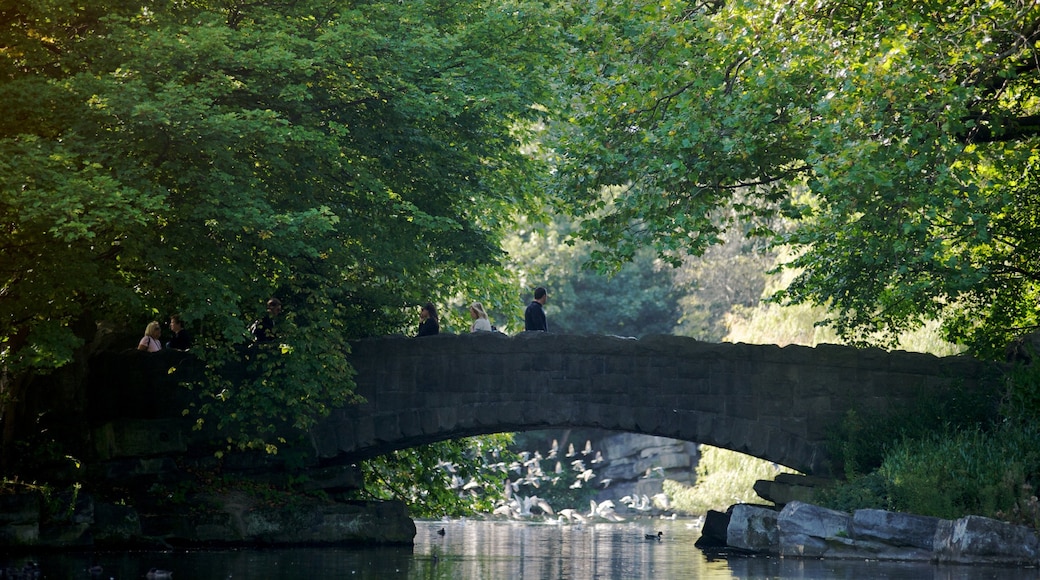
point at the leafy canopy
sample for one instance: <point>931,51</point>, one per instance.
<point>352,159</point>
<point>900,137</point>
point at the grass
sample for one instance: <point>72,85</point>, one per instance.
<point>724,478</point>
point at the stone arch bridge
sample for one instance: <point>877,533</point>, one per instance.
<point>770,402</point>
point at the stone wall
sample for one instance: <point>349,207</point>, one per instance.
<point>771,402</point>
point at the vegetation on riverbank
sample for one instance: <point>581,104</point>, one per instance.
<point>955,465</point>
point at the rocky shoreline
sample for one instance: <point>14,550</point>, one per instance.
<point>803,530</point>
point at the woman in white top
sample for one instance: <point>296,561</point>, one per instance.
<point>150,341</point>
<point>480,319</point>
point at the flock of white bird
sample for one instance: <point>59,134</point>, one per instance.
<point>529,475</point>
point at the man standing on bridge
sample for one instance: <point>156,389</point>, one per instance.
<point>534,316</point>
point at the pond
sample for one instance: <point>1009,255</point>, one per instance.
<point>482,549</point>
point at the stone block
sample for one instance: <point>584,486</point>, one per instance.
<point>753,528</point>
<point>894,529</point>
<point>980,540</point>
<point>811,531</point>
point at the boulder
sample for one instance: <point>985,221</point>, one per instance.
<point>753,528</point>
<point>980,540</point>
<point>715,530</point>
<point>894,528</point>
<point>806,530</point>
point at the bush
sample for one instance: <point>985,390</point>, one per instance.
<point>724,478</point>
<point>860,443</point>
<point>953,473</point>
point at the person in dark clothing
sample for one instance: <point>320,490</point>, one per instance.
<point>428,325</point>
<point>534,316</point>
<point>263,329</point>
<point>181,338</point>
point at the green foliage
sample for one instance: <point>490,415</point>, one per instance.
<point>899,140</point>
<point>953,473</point>
<point>861,442</point>
<point>352,160</point>
<point>1021,401</point>
<point>637,300</point>
<point>724,478</point>
<point>869,491</point>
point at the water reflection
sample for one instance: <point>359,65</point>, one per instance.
<point>505,551</point>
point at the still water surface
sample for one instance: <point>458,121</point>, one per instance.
<point>473,549</point>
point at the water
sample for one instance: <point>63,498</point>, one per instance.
<point>472,549</point>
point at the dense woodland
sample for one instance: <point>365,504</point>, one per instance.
<point>648,162</point>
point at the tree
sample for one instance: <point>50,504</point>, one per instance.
<point>900,137</point>
<point>637,300</point>
<point>352,160</point>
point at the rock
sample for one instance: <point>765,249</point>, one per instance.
<point>753,528</point>
<point>980,540</point>
<point>811,531</point>
<point>715,530</point>
<point>895,529</point>
<point>788,487</point>
<point>808,531</point>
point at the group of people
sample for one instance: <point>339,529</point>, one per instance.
<point>262,331</point>
<point>534,316</point>
<point>152,339</point>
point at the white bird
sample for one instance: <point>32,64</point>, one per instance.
<point>605,482</point>
<point>661,501</point>
<point>570,450</point>
<point>570,516</point>
<point>598,458</point>
<point>542,505</point>
<point>641,503</point>
<point>553,450</point>
<point>588,447</point>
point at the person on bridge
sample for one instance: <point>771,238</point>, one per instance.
<point>428,325</point>
<point>181,338</point>
<point>480,318</point>
<point>263,329</point>
<point>150,340</point>
<point>534,316</point>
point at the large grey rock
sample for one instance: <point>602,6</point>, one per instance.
<point>753,528</point>
<point>894,528</point>
<point>979,540</point>
<point>807,530</point>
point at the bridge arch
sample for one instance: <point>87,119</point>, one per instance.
<point>770,402</point>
